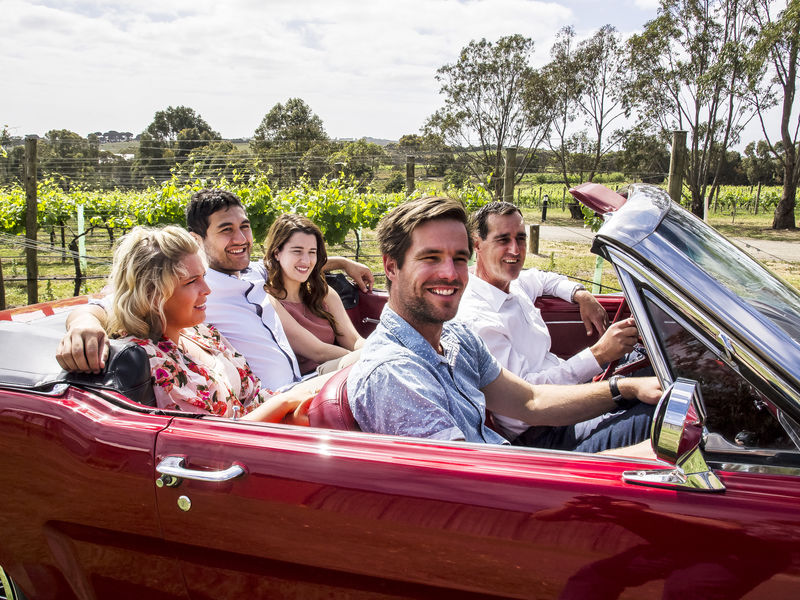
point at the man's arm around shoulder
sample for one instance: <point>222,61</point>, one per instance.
<point>84,347</point>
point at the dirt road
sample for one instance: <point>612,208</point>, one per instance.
<point>760,249</point>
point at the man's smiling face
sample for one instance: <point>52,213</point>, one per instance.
<point>427,289</point>
<point>501,255</point>
<point>228,240</point>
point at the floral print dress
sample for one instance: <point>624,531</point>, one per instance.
<point>224,386</point>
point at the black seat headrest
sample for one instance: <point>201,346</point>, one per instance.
<point>127,371</point>
<point>347,291</point>
<point>29,362</point>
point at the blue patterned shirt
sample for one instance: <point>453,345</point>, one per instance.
<point>402,386</point>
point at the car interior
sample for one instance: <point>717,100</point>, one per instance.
<point>33,367</point>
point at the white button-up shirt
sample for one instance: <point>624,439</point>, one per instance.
<point>516,334</point>
<point>241,310</point>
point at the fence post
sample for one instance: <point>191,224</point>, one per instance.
<point>758,195</point>
<point>31,210</point>
<point>2,288</point>
<point>676,161</point>
<point>409,175</point>
<point>81,237</point>
<point>508,174</point>
<point>533,238</point>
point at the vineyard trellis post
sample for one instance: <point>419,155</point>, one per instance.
<point>410,174</point>
<point>533,238</point>
<point>2,288</point>
<point>758,196</point>
<point>676,163</point>
<point>31,211</point>
<point>508,174</point>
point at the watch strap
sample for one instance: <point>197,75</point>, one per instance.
<point>621,402</point>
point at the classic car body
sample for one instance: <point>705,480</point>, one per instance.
<point>105,497</point>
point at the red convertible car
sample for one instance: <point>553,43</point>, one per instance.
<point>105,496</point>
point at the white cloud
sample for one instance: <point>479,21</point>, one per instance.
<point>367,68</point>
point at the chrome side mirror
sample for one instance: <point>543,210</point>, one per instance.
<point>676,435</point>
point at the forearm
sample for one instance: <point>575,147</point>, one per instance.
<point>579,368</point>
<point>336,263</point>
<point>323,352</point>
<point>91,315</point>
<point>274,408</point>
<point>569,404</point>
<point>557,405</point>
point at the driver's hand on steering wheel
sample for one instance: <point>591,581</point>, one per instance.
<point>616,342</point>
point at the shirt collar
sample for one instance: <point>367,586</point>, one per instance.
<point>494,296</point>
<point>413,340</point>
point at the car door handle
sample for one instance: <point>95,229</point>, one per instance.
<point>173,467</point>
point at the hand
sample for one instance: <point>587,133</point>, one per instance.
<point>593,314</point>
<point>360,274</point>
<point>84,348</point>
<point>298,416</point>
<point>617,341</point>
<point>646,389</point>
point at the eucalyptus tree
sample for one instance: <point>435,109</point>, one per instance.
<point>774,62</point>
<point>167,124</point>
<point>168,140</point>
<point>290,128</point>
<point>645,156</point>
<point>587,82</point>
<point>761,164</point>
<point>493,99</point>
<point>564,88</point>
<point>690,72</point>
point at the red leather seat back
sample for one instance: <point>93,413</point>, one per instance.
<point>329,408</point>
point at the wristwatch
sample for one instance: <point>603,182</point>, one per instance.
<point>575,290</point>
<point>621,402</point>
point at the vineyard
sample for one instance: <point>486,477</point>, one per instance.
<point>74,258</point>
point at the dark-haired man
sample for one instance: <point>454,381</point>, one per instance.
<point>262,331</point>
<point>498,305</point>
<point>422,374</point>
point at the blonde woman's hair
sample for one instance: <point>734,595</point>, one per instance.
<point>147,267</point>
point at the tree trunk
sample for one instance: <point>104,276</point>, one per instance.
<point>784,212</point>
<point>79,276</point>
<point>697,203</point>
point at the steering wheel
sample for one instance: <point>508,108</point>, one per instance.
<point>629,367</point>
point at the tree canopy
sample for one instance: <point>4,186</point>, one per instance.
<point>689,74</point>
<point>288,128</point>
<point>492,99</point>
<point>773,64</point>
<point>168,123</point>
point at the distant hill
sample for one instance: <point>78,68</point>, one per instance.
<point>371,140</point>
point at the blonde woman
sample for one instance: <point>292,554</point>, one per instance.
<point>294,254</point>
<point>158,277</point>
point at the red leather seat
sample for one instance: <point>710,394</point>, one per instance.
<point>329,408</point>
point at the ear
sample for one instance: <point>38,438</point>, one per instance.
<point>197,237</point>
<point>476,243</point>
<point>390,267</point>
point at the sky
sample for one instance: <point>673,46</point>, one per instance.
<point>367,67</point>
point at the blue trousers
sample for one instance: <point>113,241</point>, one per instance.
<point>608,431</point>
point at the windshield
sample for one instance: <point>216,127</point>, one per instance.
<point>740,274</point>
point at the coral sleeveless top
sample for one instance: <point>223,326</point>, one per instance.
<point>316,325</point>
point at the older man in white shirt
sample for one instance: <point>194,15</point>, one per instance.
<point>498,304</point>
